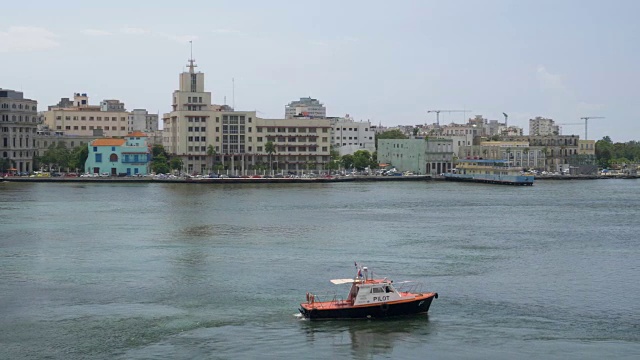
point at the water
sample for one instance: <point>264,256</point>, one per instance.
<point>183,271</point>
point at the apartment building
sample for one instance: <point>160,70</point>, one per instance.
<point>18,127</point>
<point>540,126</point>
<point>82,118</point>
<point>349,136</point>
<point>305,107</point>
<point>141,120</point>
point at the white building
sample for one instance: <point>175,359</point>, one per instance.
<point>542,127</point>
<point>349,136</point>
<point>305,107</point>
<point>141,120</point>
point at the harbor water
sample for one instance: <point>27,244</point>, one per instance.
<point>205,271</point>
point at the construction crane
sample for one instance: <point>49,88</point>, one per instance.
<point>447,111</point>
<point>586,123</point>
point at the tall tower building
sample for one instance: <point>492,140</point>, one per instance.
<point>305,107</point>
<point>238,139</point>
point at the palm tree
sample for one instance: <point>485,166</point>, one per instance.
<point>270,148</point>
<point>211,152</point>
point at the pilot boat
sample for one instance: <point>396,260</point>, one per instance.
<point>369,298</point>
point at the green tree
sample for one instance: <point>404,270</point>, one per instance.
<point>347,161</point>
<point>334,159</point>
<point>78,157</point>
<point>361,159</point>
<point>175,163</point>
<point>374,160</point>
<point>159,164</point>
<point>270,148</point>
<point>6,164</point>
<point>158,150</point>
<point>211,152</point>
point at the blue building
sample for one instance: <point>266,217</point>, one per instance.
<point>128,156</point>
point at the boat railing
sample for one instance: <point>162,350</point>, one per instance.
<point>409,287</point>
<point>330,297</point>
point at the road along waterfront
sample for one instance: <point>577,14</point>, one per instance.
<point>156,270</point>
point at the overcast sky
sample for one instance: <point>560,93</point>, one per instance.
<point>387,61</point>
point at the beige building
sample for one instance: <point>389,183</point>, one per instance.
<point>82,119</point>
<point>540,126</point>
<point>560,150</point>
<point>238,137</point>
<point>518,153</point>
<point>587,147</point>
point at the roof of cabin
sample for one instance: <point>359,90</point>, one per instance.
<point>108,142</point>
<point>137,134</point>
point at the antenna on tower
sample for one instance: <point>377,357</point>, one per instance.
<point>191,59</point>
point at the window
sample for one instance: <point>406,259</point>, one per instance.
<point>259,139</point>
<point>98,157</point>
<point>114,157</point>
<point>190,138</point>
<point>259,148</point>
<point>122,128</point>
<point>324,148</point>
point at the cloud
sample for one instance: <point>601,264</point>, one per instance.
<point>225,31</point>
<point>319,43</point>
<point>549,81</point>
<point>180,38</point>
<point>134,31</point>
<point>563,103</point>
<point>27,38</point>
<point>95,32</point>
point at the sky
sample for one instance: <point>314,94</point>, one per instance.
<point>389,62</point>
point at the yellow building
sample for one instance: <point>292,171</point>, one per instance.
<point>83,119</point>
<point>238,138</point>
<point>587,147</point>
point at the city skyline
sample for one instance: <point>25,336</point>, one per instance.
<point>387,64</point>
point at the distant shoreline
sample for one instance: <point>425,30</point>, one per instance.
<point>282,180</point>
<point>221,181</point>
